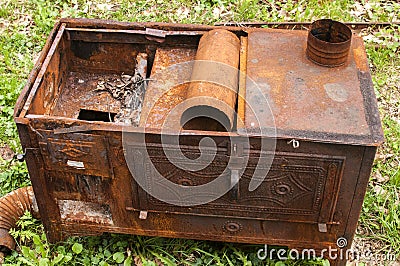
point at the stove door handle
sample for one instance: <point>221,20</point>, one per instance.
<point>234,192</point>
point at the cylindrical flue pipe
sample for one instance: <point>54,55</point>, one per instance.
<point>212,94</point>
<point>328,42</point>
<point>12,207</point>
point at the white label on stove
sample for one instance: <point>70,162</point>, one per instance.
<point>76,164</point>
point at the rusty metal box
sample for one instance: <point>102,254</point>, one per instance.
<point>293,172</point>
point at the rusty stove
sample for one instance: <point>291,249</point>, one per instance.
<point>117,119</point>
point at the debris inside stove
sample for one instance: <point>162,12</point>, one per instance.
<point>129,91</point>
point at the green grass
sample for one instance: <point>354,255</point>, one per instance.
<point>24,27</point>
<point>111,249</point>
<point>381,210</point>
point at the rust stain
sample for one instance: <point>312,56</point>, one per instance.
<point>163,222</point>
<point>360,58</point>
<point>242,82</point>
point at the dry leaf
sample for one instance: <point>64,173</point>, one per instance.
<point>379,190</point>
<point>380,178</point>
<point>137,261</point>
<point>105,7</point>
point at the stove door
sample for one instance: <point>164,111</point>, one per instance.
<point>297,187</point>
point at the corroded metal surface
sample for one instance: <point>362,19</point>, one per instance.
<point>80,93</point>
<point>52,60</point>
<point>303,96</point>
<point>167,87</point>
<point>212,93</point>
<point>312,195</point>
<point>12,207</point>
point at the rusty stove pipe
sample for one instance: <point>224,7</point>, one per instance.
<point>12,207</point>
<point>328,43</point>
<point>212,93</point>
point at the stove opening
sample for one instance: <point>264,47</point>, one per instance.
<point>92,115</point>
<point>205,118</point>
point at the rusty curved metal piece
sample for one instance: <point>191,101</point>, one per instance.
<point>212,93</point>
<point>12,207</point>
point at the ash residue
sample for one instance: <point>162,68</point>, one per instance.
<point>129,91</point>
